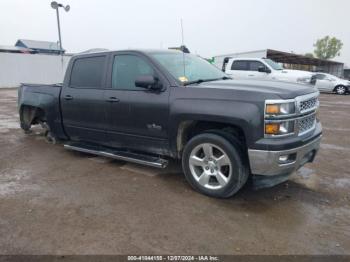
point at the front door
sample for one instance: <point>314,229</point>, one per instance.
<point>253,70</point>
<point>139,119</point>
<point>323,83</point>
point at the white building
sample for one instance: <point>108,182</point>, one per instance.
<point>17,68</point>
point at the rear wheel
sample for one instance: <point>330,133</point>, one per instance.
<point>26,118</point>
<point>214,166</point>
<point>341,90</point>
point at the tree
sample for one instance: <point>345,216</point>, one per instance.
<point>327,47</point>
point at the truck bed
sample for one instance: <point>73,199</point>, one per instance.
<point>28,89</point>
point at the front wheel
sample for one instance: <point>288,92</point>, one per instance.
<point>214,166</point>
<point>340,90</point>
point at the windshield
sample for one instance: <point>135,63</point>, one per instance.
<point>273,64</point>
<point>188,67</point>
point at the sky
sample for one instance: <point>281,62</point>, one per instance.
<point>211,27</point>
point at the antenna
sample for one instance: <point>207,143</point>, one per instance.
<point>182,43</point>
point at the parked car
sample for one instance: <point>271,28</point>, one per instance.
<point>330,83</point>
<point>150,106</point>
<point>263,69</point>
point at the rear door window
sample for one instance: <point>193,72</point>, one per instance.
<point>88,72</point>
<point>239,65</point>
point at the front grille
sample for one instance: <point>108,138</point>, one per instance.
<point>307,123</point>
<point>308,105</point>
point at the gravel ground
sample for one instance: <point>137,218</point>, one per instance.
<point>54,201</point>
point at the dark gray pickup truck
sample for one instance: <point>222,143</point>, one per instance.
<point>150,106</point>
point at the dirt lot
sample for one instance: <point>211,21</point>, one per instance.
<point>54,201</point>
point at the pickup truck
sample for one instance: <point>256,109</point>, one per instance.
<point>151,106</point>
<point>263,69</point>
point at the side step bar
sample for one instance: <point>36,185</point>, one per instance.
<point>125,156</point>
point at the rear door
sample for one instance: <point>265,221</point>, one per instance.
<point>238,69</point>
<point>140,119</point>
<point>82,101</point>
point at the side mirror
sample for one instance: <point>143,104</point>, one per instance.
<point>148,82</point>
<point>313,80</point>
<point>264,69</point>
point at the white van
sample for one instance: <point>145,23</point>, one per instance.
<point>263,68</point>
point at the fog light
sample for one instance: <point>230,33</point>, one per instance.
<point>283,158</point>
<point>287,159</point>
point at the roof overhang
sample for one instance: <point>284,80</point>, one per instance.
<point>290,58</point>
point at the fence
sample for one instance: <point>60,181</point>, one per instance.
<point>31,68</point>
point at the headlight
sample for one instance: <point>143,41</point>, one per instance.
<point>279,128</point>
<point>276,112</point>
<point>279,109</point>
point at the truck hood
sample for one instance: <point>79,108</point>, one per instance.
<point>285,90</point>
<point>296,73</point>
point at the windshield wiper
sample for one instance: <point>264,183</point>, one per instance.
<point>198,81</point>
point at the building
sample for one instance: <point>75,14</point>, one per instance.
<point>17,68</point>
<point>40,47</point>
<point>347,73</point>
<point>289,60</point>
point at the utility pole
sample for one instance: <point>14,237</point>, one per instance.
<point>183,44</point>
<point>56,6</point>
<point>59,30</point>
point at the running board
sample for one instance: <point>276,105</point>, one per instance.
<point>125,156</point>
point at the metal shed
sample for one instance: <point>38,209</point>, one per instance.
<point>289,60</point>
<point>42,47</point>
<point>15,49</point>
<point>347,73</point>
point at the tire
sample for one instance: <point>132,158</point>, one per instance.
<point>217,172</point>
<point>25,123</point>
<point>26,128</point>
<point>50,138</point>
<point>341,90</point>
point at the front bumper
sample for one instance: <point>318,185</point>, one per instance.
<point>268,163</point>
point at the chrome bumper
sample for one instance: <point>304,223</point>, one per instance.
<point>268,163</point>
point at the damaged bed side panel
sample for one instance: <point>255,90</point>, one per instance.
<point>43,99</point>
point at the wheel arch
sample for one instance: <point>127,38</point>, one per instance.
<point>335,88</point>
<point>30,115</point>
<point>188,129</point>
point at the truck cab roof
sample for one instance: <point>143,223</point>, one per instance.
<point>144,51</point>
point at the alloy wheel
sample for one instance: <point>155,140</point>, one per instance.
<point>340,90</point>
<point>210,166</point>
